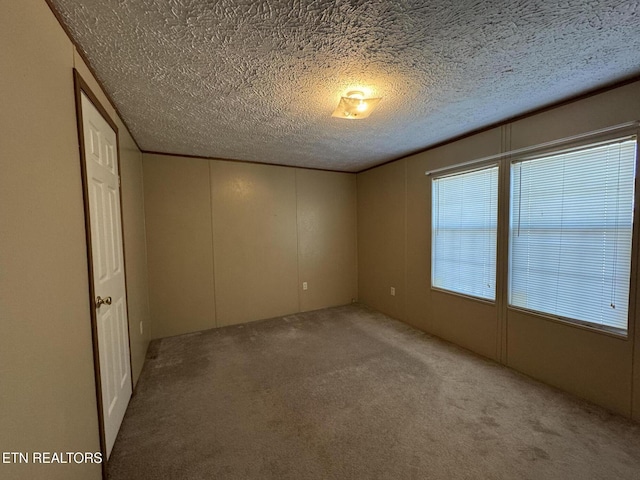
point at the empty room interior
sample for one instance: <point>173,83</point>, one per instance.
<point>319,240</point>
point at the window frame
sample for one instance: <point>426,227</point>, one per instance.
<point>460,170</point>
<point>526,150</point>
<point>585,142</point>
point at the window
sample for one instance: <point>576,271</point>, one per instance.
<point>570,233</point>
<point>464,221</point>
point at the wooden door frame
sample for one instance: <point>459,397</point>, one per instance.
<point>80,86</point>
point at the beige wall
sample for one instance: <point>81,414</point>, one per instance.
<point>381,238</point>
<point>135,246</point>
<point>232,242</point>
<point>47,394</point>
<point>255,241</point>
<point>394,206</point>
<point>179,239</point>
<point>635,394</point>
<point>327,238</point>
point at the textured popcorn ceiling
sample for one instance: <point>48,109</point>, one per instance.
<point>258,80</point>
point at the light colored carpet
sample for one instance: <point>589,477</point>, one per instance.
<point>348,393</point>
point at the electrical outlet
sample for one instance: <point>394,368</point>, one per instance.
<point>141,329</point>
<point>393,291</point>
<point>305,286</point>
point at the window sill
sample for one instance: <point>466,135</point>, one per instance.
<point>462,295</point>
<point>604,330</point>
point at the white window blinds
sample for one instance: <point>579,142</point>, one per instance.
<point>570,233</point>
<point>464,222</point>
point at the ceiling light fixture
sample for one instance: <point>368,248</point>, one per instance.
<point>354,106</point>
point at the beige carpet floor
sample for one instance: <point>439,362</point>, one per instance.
<point>348,393</point>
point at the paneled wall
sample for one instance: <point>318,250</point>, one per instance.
<point>135,246</point>
<point>179,239</point>
<point>47,389</point>
<point>381,228</point>
<point>254,241</point>
<point>232,242</point>
<point>394,247</point>
<point>327,247</point>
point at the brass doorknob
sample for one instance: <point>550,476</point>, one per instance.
<point>102,301</point>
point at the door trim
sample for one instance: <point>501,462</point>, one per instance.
<point>80,86</point>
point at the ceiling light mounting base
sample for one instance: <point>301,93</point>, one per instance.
<point>354,106</point>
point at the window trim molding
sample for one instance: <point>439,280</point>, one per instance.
<point>466,296</point>
<point>571,322</point>
<point>632,319</point>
